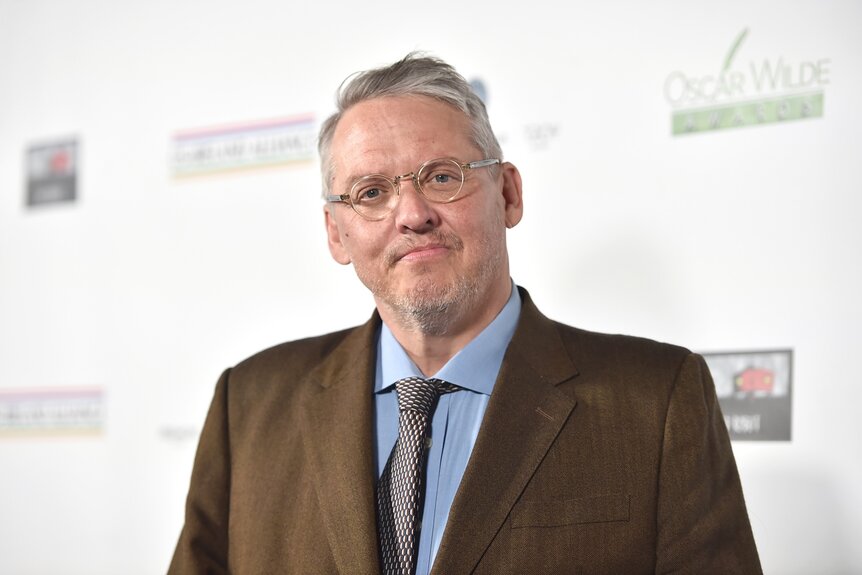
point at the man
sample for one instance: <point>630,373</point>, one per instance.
<point>537,447</point>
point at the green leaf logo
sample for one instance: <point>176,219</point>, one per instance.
<point>733,49</point>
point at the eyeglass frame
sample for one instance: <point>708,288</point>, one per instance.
<point>414,177</point>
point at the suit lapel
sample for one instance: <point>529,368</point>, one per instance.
<point>338,439</point>
<point>525,414</point>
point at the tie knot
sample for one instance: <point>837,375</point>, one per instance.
<point>418,394</point>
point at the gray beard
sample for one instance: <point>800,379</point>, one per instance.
<point>432,309</point>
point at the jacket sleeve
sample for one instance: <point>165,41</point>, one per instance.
<point>203,543</point>
<point>703,524</point>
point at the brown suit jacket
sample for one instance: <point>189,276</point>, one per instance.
<point>598,454</point>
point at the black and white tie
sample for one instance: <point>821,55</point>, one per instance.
<point>399,490</point>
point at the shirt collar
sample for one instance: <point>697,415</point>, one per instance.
<point>474,367</point>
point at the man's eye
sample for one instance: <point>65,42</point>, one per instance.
<point>369,194</point>
<point>442,177</point>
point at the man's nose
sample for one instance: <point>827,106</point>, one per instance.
<point>414,212</point>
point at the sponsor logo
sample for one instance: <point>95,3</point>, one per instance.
<point>480,89</point>
<point>52,170</point>
<point>751,92</point>
<point>253,145</point>
<point>51,411</point>
<point>754,390</point>
<point>178,433</point>
<point>755,380</point>
<point>539,136</point>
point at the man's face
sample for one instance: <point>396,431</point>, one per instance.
<point>430,266</point>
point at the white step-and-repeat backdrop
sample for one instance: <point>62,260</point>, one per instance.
<point>691,173</point>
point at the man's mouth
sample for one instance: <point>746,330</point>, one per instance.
<point>413,250</point>
<point>423,252</point>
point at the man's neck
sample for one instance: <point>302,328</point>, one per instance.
<point>431,351</point>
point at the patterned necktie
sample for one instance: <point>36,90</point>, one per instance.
<point>399,490</point>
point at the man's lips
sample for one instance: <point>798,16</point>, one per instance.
<point>422,252</point>
<point>418,249</point>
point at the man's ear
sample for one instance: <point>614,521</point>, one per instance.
<point>333,236</point>
<point>512,194</point>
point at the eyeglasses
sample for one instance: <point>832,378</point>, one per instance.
<point>439,181</point>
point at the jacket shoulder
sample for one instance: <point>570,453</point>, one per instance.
<point>290,362</point>
<point>640,345</point>
<point>301,353</point>
<point>592,351</point>
<point>625,354</point>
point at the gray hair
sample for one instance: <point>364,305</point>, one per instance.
<point>415,75</point>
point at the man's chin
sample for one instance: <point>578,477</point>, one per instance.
<point>426,296</point>
<point>427,306</point>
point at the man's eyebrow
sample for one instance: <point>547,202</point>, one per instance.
<point>355,177</point>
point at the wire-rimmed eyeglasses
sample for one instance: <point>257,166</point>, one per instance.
<point>439,181</point>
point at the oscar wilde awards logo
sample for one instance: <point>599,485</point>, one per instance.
<point>746,93</point>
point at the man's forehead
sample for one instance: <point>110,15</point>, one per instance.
<point>401,125</point>
<point>388,112</point>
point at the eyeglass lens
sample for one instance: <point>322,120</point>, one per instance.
<point>438,180</point>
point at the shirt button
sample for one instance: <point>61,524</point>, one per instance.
<point>428,443</point>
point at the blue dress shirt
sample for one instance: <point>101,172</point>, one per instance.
<point>456,420</point>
